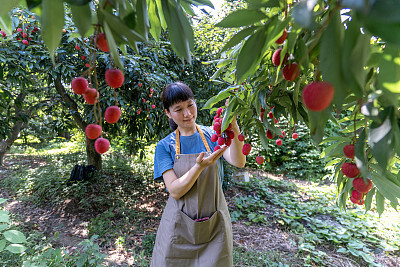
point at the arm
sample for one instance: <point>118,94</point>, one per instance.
<point>234,154</point>
<point>179,186</point>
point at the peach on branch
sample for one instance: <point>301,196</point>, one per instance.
<point>276,57</point>
<point>101,42</point>
<point>241,137</point>
<point>246,149</point>
<point>348,150</point>
<point>360,185</point>
<point>101,145</point>
<point>260,159</point>
<point>291,71</point>
<point>283,37</point>
<point>112,114</point>
<point>93,131</point>
<point>278,142</point>
<point>114,78</point>
<point>350,169</point>
<point>79,85</point>
<point>91,96</point>
<point>295,136</point>
<point>317,96</point>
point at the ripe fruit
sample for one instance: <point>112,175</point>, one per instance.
<point>139,110</point>
<point>230,134</point>
<point>283,134</point>
<point>228,141</point>
<point>216,148</point>
<point>357,201</point>
<point>87,65</point>
<point>276,120</point>
<point>83,57</point>
<point>101,42</point>
<point>114,78</point>
<point>270,115</point>
<point>3,34</point>
<point>153,106</point>
<point>219,111</point>
<point>77,47</point>
<point>278,142</point>
<point>291,71</point>
<point>356,195</point>
<point>246,149</point>
<point>241,137</point>
<point>318,96</point>
<point>91,96</point>
<point>217,127</point>
<point>93,131</point>
<point>214,138</point>
<point>295,136</point>
<point>112,114</point>
<point>24,34</point>
<point>360,185</point>
<point>260,159</point>
<point>143,100</point>
<point>101,145</point>
<point>80,85</point>
<point>270,135</point>
<point>25,42</point>
<point>350,169</point>
<point>19,30</point>
<point>282,38</point>
<point>140,84</point>
<point>221,141</point>
<point>348,150</point>
<point>276,57</point>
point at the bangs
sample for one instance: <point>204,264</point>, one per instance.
<point>175,93</point>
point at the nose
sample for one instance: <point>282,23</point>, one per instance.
<point>187,112</point>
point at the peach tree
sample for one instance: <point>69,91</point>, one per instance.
<point>313,61</point>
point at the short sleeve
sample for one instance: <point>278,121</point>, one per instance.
<point>163,160</point>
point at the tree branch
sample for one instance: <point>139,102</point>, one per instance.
<point>71,103</point>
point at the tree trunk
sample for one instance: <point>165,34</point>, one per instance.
<point>93,157</point>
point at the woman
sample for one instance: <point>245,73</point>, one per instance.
<point>195,228</point>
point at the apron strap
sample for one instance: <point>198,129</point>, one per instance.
<point>178,143</point>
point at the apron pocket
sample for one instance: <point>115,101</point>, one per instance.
<point>187,231</point>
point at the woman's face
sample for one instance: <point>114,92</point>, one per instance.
<point>183,113</point>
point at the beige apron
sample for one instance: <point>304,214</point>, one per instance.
<point>182,241</point>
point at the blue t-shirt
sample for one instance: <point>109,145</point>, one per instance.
<point>164,156</point>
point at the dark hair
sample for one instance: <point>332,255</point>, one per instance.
<point>174,93</point>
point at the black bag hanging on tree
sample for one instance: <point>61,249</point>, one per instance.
<point>81,173</point>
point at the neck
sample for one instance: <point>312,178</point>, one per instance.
<point>187,131</point>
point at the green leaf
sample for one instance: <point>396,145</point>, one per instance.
<point>14,236</point>
<point>257,4</point>
<point>4,217</point>
<point>2,200</point>
<point>241,17</point>
<point>52,23</point>
<point>113,46</point>
<point>78,2</point>
<point>380,140</point>
<point>250,55</point>
<point>16,248</point>
<point>262,135</point>
<point>368,199</point>
<point>360,155</point>
<point>317,124</point>
<point>221,95</point>
<point>6,6</point>
<point>119,27</point>
<point>155,23</point>
<point>2,244</point>
<point>228,114</point>
<point>142,19</point>
<point>238,37</point>
<point>303,12</point>
<point>380,203</point>
<point>3,227</point>
<point>331,66</point>
<point>389,69</point>
<point>385,186</point>
<point>82,17</point>
<point>179,29</point>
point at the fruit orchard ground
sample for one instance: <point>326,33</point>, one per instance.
<point>270,239</point>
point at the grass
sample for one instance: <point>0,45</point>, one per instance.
<point>122,206</point>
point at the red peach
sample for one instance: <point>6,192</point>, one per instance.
<point>112,114</point>
<point>317,96</point>
<point>79,85</point>
<point>93,131</point>
<point>101,42</point>
<point>102,145</point>
<point>114,78</point>
<point>91,96</point>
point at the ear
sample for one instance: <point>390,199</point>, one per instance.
<point>166,112</point>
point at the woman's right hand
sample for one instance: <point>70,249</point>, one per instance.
<point>204,162</point>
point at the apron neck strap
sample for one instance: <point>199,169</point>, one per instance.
<point>178,143</point>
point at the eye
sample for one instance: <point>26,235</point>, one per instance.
<point>178,110</point>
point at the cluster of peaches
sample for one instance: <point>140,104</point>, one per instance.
<point>361,186</point>
<point>115,79</point>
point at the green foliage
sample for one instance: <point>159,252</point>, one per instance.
<point>315,220</point>
<point>12,240</point>
<point>244,257</point>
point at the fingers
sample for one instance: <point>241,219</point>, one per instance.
<point>217,154</point>
<point>200,157</point>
